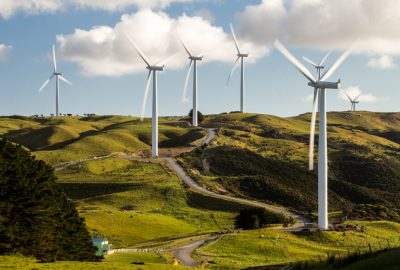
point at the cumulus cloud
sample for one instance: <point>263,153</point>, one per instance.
<point>4,52</point>
<point>324,24</point>
<point>382,62</point>
<point>10,7</point>
<point>105,50</point>
<point>355,91</point>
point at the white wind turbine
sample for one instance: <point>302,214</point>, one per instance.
<point>193,63</point>
<point>318,67</point>
<point>152,73</point>
<point>58,76</point>
<point>240,56</point>
<point>320,86</point>
<point>353,101</point>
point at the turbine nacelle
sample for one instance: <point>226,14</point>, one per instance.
<point>196,58</point>
<point>325,85</point>
<point>242,55</point>
<point>155,68</point>
<point>57,73</point>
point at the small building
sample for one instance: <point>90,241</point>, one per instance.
<point>102,245</point>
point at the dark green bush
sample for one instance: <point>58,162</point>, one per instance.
<point>36,218</point>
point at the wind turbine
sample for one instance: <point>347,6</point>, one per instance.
<point>240,56</point>
<point>193,63</point>
<point>58,76</point>
<point>353,101</point>
<point>318,67</point>
<point>152,73</point>
<point>320,86</point>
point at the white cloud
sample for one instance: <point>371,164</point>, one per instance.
<point>105,50</point>
<point>325,24</point>
<point>382,62</point>
<point>355,91</point>
<point>113,5</point>
<point>4,52</point>
<point>205,14</point>
<point>8,8</point>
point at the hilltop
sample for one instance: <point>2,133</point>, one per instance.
<point>265,157</point>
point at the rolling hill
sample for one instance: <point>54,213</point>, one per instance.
<point>265,157</point>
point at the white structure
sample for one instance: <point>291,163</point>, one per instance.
<point>320,87</point>
<point>58,76</point>
<point>353,101</point>
<point>152,73</point>
<point>240,56</point>
<point>193,63</point>
<point>318,67</point>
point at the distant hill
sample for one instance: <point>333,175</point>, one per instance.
<point>36,218</point>
<point>61,139</point>
<point>265,157</point>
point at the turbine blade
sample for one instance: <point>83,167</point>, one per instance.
<point>139,51</point>
<point>278,45</point>
<point>356,98</point>
<point>324,59</point>
<point>312,130</point>
<point>45,83</point>
<point>64,79</point>
<point>185,86</point>
<point>54,59</point>
<point>233,70</point>
<point>309,61</point>
<point>234,38</point>
<point>348,96</point>
<point>336,65</point>
<point>184,46</point>
<point>146,93</point>
<point>166,60</point>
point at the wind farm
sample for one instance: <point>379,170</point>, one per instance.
<point>229,180</point>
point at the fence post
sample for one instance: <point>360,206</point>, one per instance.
<point>388,243</point>
<point>380,247</point>
<point>370,249</point>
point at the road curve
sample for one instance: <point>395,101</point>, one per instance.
<point>184,253</point>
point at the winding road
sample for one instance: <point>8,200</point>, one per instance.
<point>184,253</point>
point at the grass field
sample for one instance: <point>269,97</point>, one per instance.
<point>61,139</point>
<point>138,203</point>
<point>111,262</point>
<point>246,249</point>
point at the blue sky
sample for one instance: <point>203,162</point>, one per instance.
<point>273,86</point>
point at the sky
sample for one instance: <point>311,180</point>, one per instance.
<point>108,76</point>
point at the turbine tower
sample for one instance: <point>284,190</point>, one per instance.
<point>353,101</point>
<point>193,63</point>
<point>58,76</point>
<point>240,56</point>
<point>318,67</point>
<point>320,86</point>
<point>152,73</point>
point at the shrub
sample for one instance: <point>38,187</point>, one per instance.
<point>255,218</point>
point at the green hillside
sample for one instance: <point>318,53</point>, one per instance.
<point>265,157</point>
<point>61,139</point>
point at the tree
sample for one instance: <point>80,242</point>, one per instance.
<point>255,218</point>
<point>36,218</point>
<point>200,116</point>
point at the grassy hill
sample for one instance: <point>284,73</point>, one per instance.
<point>61,139</point>
<point>265,157</point>
<point>136,203</point>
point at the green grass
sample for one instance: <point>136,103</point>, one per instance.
<point>138,203</point>
<point>246,249</point>
<point>61,139</point>
<point>266,157</point>
<point>111,262</point>
<point>388,260</point>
